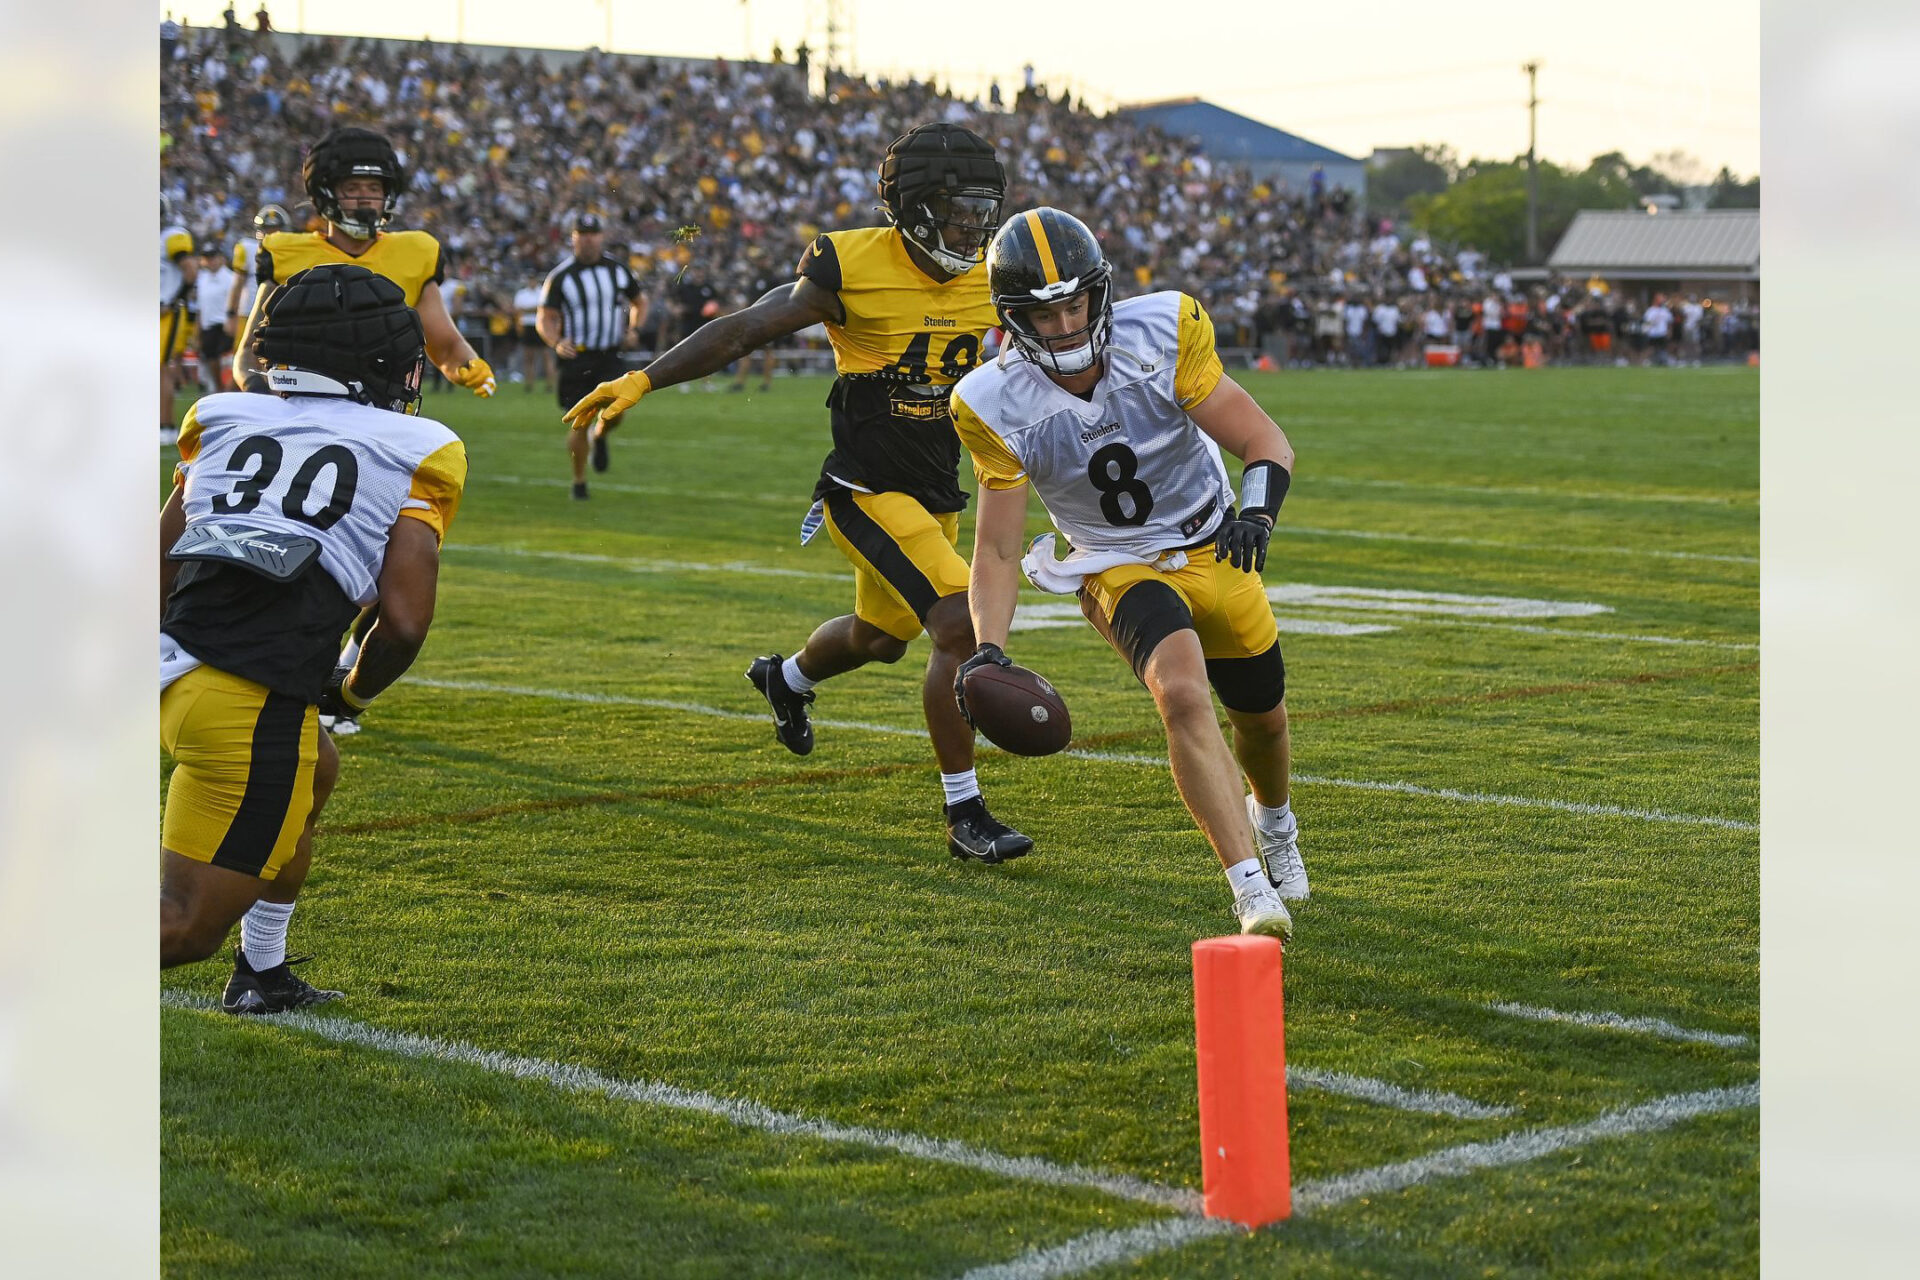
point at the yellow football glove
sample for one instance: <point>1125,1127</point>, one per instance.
<point>609,400</point>
<point>476,375</point>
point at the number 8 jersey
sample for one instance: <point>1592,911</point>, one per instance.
<point>1125,470</point>
<point>317,467</point>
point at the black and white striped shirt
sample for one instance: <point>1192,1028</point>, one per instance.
<point>592,301</point>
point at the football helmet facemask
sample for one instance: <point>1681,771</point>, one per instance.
<point>942,187</point>
<point>1045,256</point>
<point>338,329</point>
<point>353,153</point>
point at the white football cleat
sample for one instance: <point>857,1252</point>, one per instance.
<point>1280,850</point>
<point>1261,911</point>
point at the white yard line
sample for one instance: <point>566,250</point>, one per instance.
<point>635,564</point>
<point>1105,1248</point>
<point>1108,757</point>
<point>1616,1022</point>
<point>653,491</point>
<point>1308,531</point>
<point>1538,491</point>
<point>1423,1101</point>
<point>753,1115</point>
<point>1047,614</point>
<point>748,1115</point>
<point>1565,633</point>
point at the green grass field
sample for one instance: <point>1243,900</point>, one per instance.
<point>571,838</point>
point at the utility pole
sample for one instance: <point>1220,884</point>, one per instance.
<point>1533,177</point>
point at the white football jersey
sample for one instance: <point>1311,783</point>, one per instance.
<point>1127,470</point>
<point>323,467</point>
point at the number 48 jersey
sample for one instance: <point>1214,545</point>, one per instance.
<point>320,467</point>
<point>1126,470</point>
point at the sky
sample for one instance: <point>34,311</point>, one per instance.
<point>1644,77</point>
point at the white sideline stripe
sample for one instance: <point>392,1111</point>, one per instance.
<point>1538,491</point>
<point>646,490</point>
<point>1108,757</point>
<point>638,565</point>
<point>1307,531</point>
<point>1387,1095</point>
<point>1103,1248</point>
<point>1616,1022</point>
<point>748,1115</point>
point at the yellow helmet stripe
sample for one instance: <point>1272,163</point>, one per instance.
<point>1039,231</point>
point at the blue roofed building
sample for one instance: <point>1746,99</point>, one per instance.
<point>1241,140</point>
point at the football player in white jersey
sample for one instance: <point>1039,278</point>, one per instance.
<point>178,271</point>
<point>291,512</point>
<point>1116,415</point>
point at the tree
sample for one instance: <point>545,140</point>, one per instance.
<point>1426,169</point>
<point>1729,192</point>
<point>1488,207</point>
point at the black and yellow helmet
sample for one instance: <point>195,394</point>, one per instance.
<point>350,152</point>
<point>1044,256</point>
<point>338,329</point>
<point>271,218</point>
<point>942,186</point>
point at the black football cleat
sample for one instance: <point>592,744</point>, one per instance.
<point>599,451</point>
<point>580,491</point>
<point>791,722</point>
<point>974,833</point>
<point>274,990</point>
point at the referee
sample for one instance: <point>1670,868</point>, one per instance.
<point>590,307</point>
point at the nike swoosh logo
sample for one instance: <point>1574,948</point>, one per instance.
<point>1196,311</point>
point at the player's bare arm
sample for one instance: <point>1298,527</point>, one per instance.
<point>999,532</point>
<point>409,578</point>
<point>451,353</point>
<point>1240,426</point>
<point>244,356</point>
<point>173,523</point>
<point>713,347</point>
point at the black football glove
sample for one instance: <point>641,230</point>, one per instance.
<point>335,701</point>
<point>985,655</point>
<point>1243,541</point>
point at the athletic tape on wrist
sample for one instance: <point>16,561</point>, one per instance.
<point>1263,487</point>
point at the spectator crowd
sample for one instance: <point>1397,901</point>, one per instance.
<point>712,177</point>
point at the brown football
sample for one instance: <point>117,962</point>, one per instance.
<point>1017,710</point>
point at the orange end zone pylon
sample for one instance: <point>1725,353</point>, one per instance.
<point>1241,1038</point>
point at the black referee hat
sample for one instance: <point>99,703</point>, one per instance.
<point>588,222</point>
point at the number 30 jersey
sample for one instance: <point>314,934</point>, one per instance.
<point>906,340</point>
<point>314,467</point>
<point>1126,470</point>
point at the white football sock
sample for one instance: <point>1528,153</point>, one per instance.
<point>796,678</point>
<point>263,933</point>
<point>350,654</point>
<point>1247,876</point>
<point>960,786</point>
<point>1280,819</point>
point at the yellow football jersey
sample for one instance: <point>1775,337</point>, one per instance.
<point>411,259</point>
<point>901,323</point>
